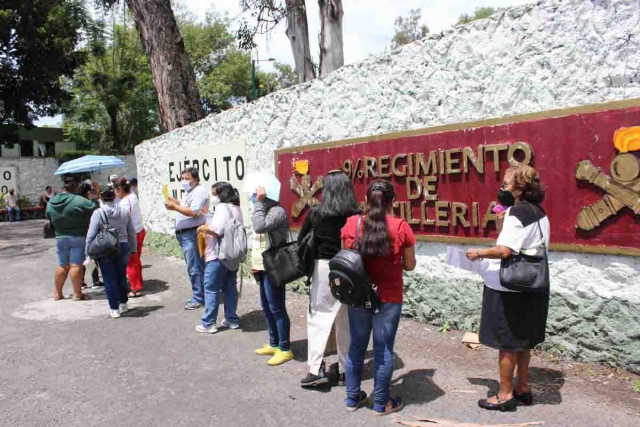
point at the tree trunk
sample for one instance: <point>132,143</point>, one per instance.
<point>173,75</point>
<point>331,50</point>
<point>115,132</point>
<point>298,34</point>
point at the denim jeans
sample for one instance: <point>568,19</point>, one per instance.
<point>384,326</point>
<point>275,310</point>
<point>114,275</point>
<point>70,250</point>
<point>217,279</point>
<point>10,212</point>
<point>195,265</point>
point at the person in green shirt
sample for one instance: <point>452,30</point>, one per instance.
<point>70,214</point>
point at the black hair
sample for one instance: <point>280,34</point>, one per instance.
<point>85,188</point>
<point>108,195</point>
<point>375,235</point>
<point>226,193</point>
<point>338,197</point>
<point>193,172</point>
<point>48,187</point>
<point>123,184</point>
<point>133,181</point>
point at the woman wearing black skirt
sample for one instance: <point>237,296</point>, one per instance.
<point>514,322</point>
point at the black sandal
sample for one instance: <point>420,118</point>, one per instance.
<point>502,406</point>
<point>524,398</point>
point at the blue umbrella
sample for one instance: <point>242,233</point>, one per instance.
<point>89,164</point>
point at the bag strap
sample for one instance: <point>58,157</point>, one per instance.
<point>544,245</point>
<point>103,218</point>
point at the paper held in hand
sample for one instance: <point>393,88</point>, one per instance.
<point>488,269</point>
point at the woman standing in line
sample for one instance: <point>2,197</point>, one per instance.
<point>129,202</point>
<point>114,267</point>
<point>217,278</point>
<point>325,222</point>
<point>388,248</point>
<point>270,227</point>
<point>514,322</point>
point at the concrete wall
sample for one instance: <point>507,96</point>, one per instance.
<point>552,54</point>
<point>34,174</point>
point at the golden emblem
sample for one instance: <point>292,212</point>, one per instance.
<point>304,189</point>
<point>622,188</point>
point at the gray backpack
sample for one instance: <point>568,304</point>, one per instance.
<point>105,243</point>
<point>232,246</point>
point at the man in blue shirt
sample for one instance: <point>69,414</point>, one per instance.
<point>190,214</point>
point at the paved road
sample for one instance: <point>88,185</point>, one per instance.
<point>65,364</point>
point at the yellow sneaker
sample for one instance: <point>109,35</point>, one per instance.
<point>280,357</point>
<point>266,350</point>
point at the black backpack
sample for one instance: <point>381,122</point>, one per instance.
<point>348,279</point>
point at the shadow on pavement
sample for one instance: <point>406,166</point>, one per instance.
<point>253,321</point>
<point>417,387</point>
<point>154,286</point>
<point>142,311</point>
<point>545,384</point>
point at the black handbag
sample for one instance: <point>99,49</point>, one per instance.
<point>105,243</point>
<point>282,263</point>
<point>307,254</point>
<point>528,271</point>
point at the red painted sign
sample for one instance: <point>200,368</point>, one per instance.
<point>447,180</point>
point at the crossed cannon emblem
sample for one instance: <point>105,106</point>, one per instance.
<point>622,188</point>
<point>304,189</point>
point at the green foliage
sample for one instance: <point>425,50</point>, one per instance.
<point>408,29</point>
<point>636,386</point>
<point>446,327</point>
<point>38,40</point>
<point>479,13</point>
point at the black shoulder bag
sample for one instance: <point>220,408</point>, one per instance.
<point>282,263</point>
<point>528,271</point>
<point>307,252</point>
<point>105,243</point>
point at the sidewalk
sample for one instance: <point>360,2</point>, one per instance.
<point>65,364</point>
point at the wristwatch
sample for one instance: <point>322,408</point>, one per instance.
<point>478,254</point>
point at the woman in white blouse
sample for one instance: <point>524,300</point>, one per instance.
<point>514,322</point>
<point>129,202</point>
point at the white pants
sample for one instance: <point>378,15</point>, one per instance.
<point>325,309</point>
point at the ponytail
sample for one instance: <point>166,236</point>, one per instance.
<point>375,237</point>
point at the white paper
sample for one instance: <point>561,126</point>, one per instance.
<point>488,269</point>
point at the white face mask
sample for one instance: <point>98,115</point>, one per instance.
<point>186,185</point>
<point>215,201</point>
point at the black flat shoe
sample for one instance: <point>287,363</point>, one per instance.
<point>508,406</point>
<point>524,398</point>
<point>312,380</point>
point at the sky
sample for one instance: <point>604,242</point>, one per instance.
<point>367,26</point>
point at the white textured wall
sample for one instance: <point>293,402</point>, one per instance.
<point>552,54</point>
<point>34,174</point>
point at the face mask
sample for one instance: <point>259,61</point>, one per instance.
<point>186,185</point>
<point>253,198</point>
<point>506,198</point>
<point>215,201</point>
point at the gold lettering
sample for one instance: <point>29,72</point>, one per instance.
<point>469,156</point>
<point>383,166</point>
<point>441,162</point>
<point>410,194</point>
<point>423,213</point>
<point>496,149</point>
<point>452,164</point>
<point>410,162</point>
<point>370,164</point>
<point>459,213</point>
<point>475,215</point>
<point>421,165</point>
<point>394,165</point>
<point>519,146</point>
<point>430,190</point>
<point>442,214</point>
<point>432,165</point>
<point>489,215</point>
<point>409,214</point>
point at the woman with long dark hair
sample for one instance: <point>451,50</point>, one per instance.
<point>325,222</point>
<point>514,322</point>
<point>129,202</point>
<point>387,249</point>
<point>219,279</point>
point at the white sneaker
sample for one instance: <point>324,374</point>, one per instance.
<point>229,325</point>
<point>114,314</point>
<point>124,308</point>
<point>206,329</point>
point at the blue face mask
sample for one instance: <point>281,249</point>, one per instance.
<point>253,198</point>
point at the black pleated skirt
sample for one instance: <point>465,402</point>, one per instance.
<point>513,321</point>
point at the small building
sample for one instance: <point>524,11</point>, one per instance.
<point>34,142</point>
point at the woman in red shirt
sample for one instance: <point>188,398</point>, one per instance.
<point>387,248</point>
